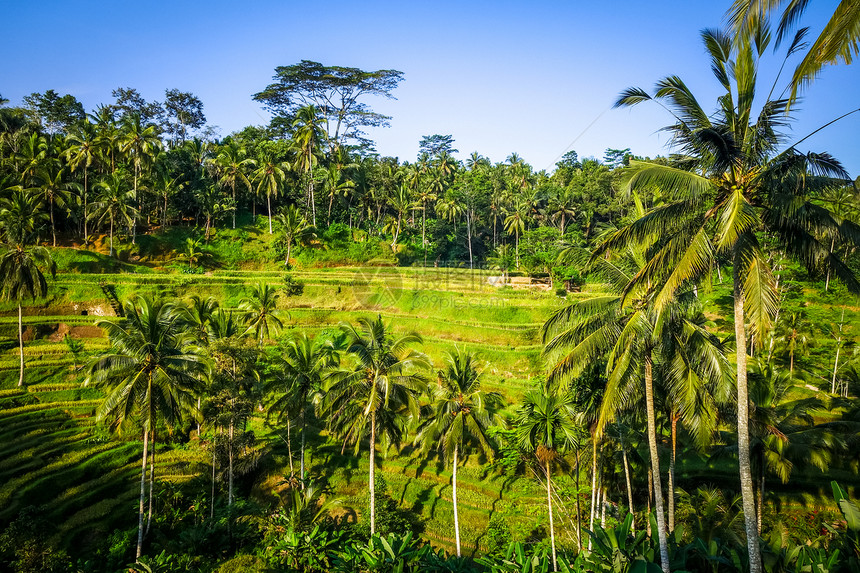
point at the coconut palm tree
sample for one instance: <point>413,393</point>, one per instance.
<point>152,370</point>
<point>83,151</point>
<point>260,312</point>
<point>55,190</point>
<point>741,181</point>
<point>22,276</point>
<point>378,395</point>
<point>515,224</point>
<point>140,144</point>
<point>308,139</point>
<point>295,227</point>
<point>21,217</point>
<point>545,425</point>
<point>233,168</point>
<point>462,412</point>
<point>270,176</point>
<point>839,41</point>
<point>301,368</point>
<point>114,204</point>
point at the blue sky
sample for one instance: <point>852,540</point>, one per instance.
<point>536,78</point>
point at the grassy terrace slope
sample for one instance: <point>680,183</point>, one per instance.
<point>52,453</point>
<point>50,436</point>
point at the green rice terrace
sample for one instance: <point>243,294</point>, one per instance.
<point>280,350</point>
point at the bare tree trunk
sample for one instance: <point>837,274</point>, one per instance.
<point>372,473</point>
<point>302,464</point>
<point>290,447</point>
<point>230,464</point>
<point>269,207</point>
<point>672,473</point>
<point>20,346</point>
<point>551,524</point>
<point>151,483</point>
<point>655,462</point>
<point>85,203</point>
<point>454,495</point>
<point>142,491</point>
<point>747,493</point>
<point>627,479</point>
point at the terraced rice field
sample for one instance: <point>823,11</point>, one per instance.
<point>53,453</point>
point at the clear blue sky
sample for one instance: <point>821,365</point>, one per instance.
<point>537,78</point>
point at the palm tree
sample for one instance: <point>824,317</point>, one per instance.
<point>21,276</point>
<point>515,224</point>
<point>380,390</point>
<point>140,144</point>
<point>301,368</point>
<point>462,414</point>
<point>113,203</point>
<point>335,185</point>
<point>839,41</point>
<point>545,426</point>
<point>260,312</point>
<point>152,370</point>
<point>233,166</point>
<point>83,151</point>
<point>270,176</point>
<point>21,217</point>
<point>740,183</point>
<point>295,227</point>
<point>793,333</point>
<point>55,190</point>
<point>307,140</point>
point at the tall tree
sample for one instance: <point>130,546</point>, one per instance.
<point>260,312</point>
<point>83,151</point>
<point>336,91</point>
<point>233,168</point>
<point>740,183</point>
<point>308,137</point>
<point>183,111</point>
<point>152,370</point>
<point>114,204</point>
<point>545,426</point>
<point>377,395</point>
<point>270,176</point>
<point>462,412</point>
<point>22,276</point>
<point>140,143</point>
<point>295,229</point>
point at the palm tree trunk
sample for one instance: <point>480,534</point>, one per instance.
<point>655,462</point>
<point>290,447</point>
<point>578,509</point>
<point>672,473</point>
<point>593,486</point>
<point>747,494</point>
<point>454,494</point>
<point>827,280</point>
<point>53,226</point>
<point>551,524</point>
<point>85,203</point>
<point>20,346</point>
<point>269,206</point>
<point>134,219</point>
<point>302,464</point>
<point>627,479</point>
<point>212,501</point>
<point>142,492</point>
<point>230,465</point>
<point>289,251</point>
<point>311,194</point>
<point>469,237</point>
<point>111,234</point>
<point>235,207</point>
<point>371,473</point>
<point>151,483</point>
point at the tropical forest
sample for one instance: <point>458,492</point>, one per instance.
<point>278,350</point>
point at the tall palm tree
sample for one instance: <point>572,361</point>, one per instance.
<point>270,176</point>
<point>55,190</point>
<point>740,183</point>
<point>308,139</point>
<point>295,228</point>
<point>113,203</point>
<point>260,312</point>
<point>83,151</point>
<point>462,412</point>
<point>140,144</point>
<point>378,395</point>
<point>233,168</point>
<point>152,370</point>
<point>301,369</point>
<point>22,276</point>
<point>545,425</point>
<point>22,217</point>
<point>515,224</point>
